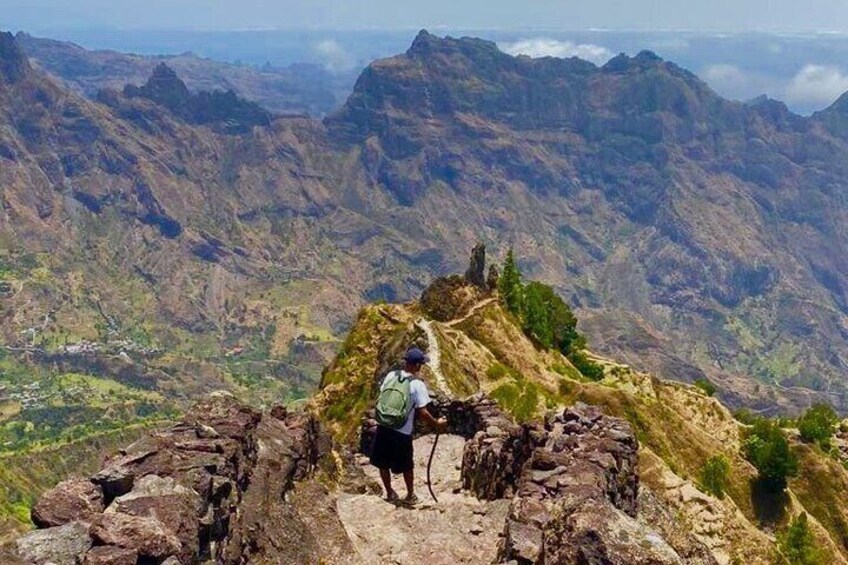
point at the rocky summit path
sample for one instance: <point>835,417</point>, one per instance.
<point>457,529</point>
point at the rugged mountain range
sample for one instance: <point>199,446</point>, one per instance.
<point>697,236</point>
<point>294,89</point>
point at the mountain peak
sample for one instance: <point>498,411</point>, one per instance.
<point>13,62</point>
<point>623,63</point>
<point>163,84</point>
<point>840,106</point>
<point>426,44</point>
<point>421,42</point>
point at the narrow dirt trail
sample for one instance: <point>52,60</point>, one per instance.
<point>434,351</point>
<point>457,529</point>
<point>481,304</point>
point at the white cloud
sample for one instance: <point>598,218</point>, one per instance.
<point>816,86</point>
<point>725,78</point>
<point>544,47</point>
<point>334,57</point>
<point>739,84</point>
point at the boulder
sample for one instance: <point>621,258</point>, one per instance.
<point>62,545</point>
<point>597,532</point>
<point>175,506</point>
<point>71,500</point>
<point>148,536</point>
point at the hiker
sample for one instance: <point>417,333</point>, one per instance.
<point>403,397</point>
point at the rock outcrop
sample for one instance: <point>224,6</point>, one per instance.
<point>573,483</point>
<point>13,62</point>
<point>213,487</point>
<point>476,273</point>
<point>226,111</point>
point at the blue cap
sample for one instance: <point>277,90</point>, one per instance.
<point>415,355</point>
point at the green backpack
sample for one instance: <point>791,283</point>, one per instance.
<point>395,401</point>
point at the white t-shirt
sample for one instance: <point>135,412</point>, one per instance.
<point>418,394</point>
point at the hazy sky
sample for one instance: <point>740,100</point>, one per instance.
<point>731,15</point>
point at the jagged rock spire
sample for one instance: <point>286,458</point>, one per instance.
<point>476,273</point>
<point>14,64</point>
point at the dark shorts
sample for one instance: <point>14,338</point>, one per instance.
<point>392,450</point>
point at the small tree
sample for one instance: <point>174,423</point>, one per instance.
<point>797,543</point>
<point>537,313</point>
<point>510,286</point>
<point>705,386</point>
<point>714,475</point>
<point>767,449</point>
<point>817,423</point>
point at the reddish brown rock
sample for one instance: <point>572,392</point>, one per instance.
<point>172,504</point>
<point>110,555</point>
<point>216,487</point>
<point>74,499</point>
<point>150,537</point>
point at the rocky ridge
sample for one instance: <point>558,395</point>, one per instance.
<point>224,110</point>
<point>650,488</point>
<point>217,487</point>
<point>222,487</point>
<point>296,89</point>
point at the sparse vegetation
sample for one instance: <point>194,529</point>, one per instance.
<point>745,416</point>
<point>519,397</point>
<point>714,475</point>
<point>567,370</point>
<point>498,371</point>
<point>586,366</point>
<point>797,544</point>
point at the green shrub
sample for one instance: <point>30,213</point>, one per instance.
<point>565,387</point>
<point>497,372</point>
<point>817,424</point>
<point>545,317</point>
<point>714,474</point>
<point>798,545</point>
<point>767,449</point>
<point>705,386</point>
<point>586,366</point>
